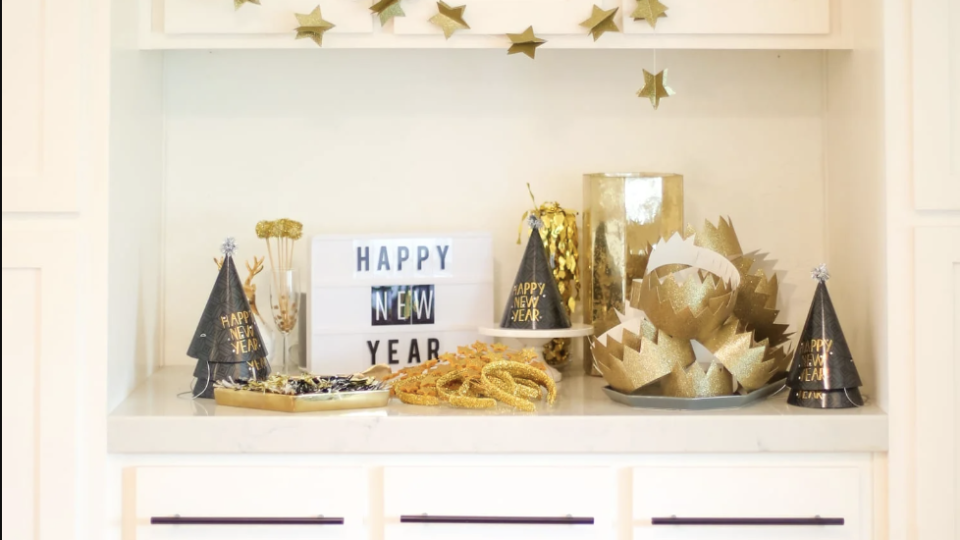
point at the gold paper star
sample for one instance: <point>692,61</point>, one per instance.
<point>649,10</point>
<point>312,26</point>
<point>653,87</point>
<point>525,43</point>
<point>450,19</point>
<point>601,21</point>
<point>387,9</point>
<point>238,3</point>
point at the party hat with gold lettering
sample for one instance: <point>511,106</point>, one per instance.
<point>823,375</point>
<point>227,342</point>
<point>534,302</point>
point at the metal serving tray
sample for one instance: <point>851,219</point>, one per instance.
<point>652,401</point>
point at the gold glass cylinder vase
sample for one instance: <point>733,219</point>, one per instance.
<point>624,215</point>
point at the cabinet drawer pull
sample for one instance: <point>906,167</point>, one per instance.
<point>178,520</point>
<point>814,521</point>
<point>498,520</point>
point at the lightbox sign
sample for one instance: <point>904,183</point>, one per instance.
<point>396,300</point>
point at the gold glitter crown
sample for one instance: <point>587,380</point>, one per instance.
<point>643,358</point>
<point>685,306</point>
<point>757,302</point>
<point>721,238</point>
<point>752,363</point>
<point>651,356</point>
<point>693,381</point>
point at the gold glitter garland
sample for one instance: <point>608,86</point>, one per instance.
<point>561,239</point>
<point>476,377</point>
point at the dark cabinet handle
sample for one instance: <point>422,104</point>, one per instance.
<point>814,521</point>
<point>178,520</point>
<point>498,520</point>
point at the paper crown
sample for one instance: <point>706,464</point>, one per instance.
<point>697,287</point>
<point>822,362</point>
<point>534,302</point>
<point>227,342</point>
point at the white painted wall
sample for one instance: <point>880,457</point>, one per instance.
<point>136,169</point>
<point>390,141</point>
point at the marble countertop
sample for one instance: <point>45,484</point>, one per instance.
<point>155,420</point>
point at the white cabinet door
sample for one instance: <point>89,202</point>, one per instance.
<point>798,17</point>
<point>745,493</point>
<point>488,17</point>
<point>477,494</point>
<point>209,17</point>
<point>268,495</point>
<point>937,328</point>
<point>40,105</point>
<point>936,104</point>
<point>40,359</point>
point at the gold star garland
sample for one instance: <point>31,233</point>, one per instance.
<point>601,21</point>
<point>654,87</point>
<point>237,4</point>
<point>525,42</point>
<point>650,11</point>
<point>387,9</point>
<point>312,26</point>
<point>449,19</point>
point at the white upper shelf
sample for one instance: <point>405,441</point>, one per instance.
<point>155,420</point>
<point>689,24</point>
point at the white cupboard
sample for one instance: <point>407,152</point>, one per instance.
<point>219,503</point>
<point>936,104</point>
<point>41,108</point>
<point>54,267</point>
<point>202,141</point>
<point>935,215</point>
<point>763,496</point>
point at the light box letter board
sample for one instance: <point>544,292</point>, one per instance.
<point>396,300</point>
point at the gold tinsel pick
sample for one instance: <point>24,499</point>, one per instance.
<point>650,11</point>
<point>387,9</point>
<point>654,87</point>
<point>525,42</point>
<point>237,4</point>
<point>449,19</point>
<point>601,21</point>
<point>312,26</point>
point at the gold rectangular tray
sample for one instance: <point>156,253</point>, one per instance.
<point>337,401</point>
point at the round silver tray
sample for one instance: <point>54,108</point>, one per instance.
<point>653,401</point>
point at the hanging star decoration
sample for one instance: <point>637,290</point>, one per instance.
<point>650,11</point>
<point>312,26</point>
<point>387,9</point>
<point>525,42</point>
<point>601,21</point>
<point>449,19</point>
<point>237,4</point>
<point>654,87</point>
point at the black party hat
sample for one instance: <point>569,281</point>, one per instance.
<point>227,342</point>
<point>534,302</point>
<point>823,374</point>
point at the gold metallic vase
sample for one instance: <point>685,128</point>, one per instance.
<point>624,214</point>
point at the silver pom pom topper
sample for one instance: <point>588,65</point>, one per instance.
<point>820,273</point>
